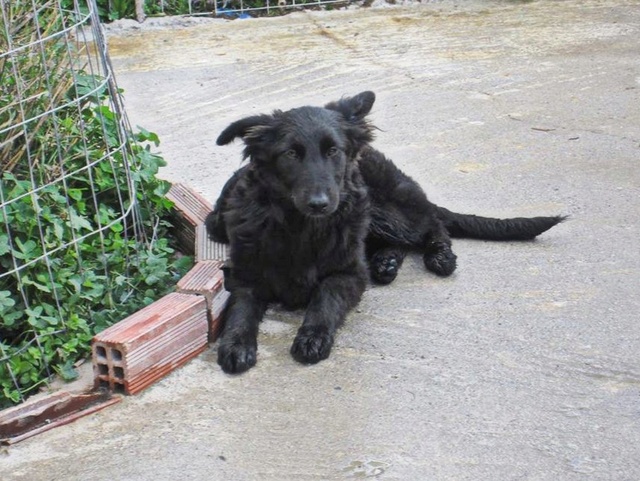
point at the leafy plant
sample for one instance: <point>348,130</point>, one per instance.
<point>120,9</point>
<point>175,7</point>
<point>83,236</point>
<point>109,10</point>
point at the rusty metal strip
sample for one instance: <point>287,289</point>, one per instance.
<point>25,421</point>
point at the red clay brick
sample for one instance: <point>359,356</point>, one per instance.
<point>190,210</point>
<point>190,203</point>
<point>146,346</point>
<point>206,249</point>
<point>207,279</point>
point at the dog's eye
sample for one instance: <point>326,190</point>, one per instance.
<point>292,154</point>
<point>332,151</point>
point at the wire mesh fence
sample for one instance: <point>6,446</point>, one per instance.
<point>267,7</point>
<point>81,241</point>
<point>237,8</point>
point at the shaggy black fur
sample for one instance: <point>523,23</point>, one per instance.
<point>314,213</point>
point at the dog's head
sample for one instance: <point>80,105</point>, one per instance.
<point>306,154</point>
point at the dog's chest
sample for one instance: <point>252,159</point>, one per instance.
<point>296,252</point>
<point>295,261</point>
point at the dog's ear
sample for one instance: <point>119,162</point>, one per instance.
<point>354,108</point>
<point>245,127</point>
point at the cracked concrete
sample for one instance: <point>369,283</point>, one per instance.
<point>523,365</point>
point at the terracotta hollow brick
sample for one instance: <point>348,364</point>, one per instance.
<point>146,346</point>
<point>194,207</point>
<point>190,210</point>
<point>206,249</point>
<point>207,279</point>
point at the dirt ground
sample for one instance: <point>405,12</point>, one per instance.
<point>523,365</point>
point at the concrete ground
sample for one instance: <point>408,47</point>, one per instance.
<point>523,365</point>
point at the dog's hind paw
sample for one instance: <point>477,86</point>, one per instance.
<point>385,265</point>
<point>236,356</point>
<point>312,344</point>
<point>440,259</point>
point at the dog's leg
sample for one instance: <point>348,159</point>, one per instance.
<point>385,260</point>
<point>403,216</point>
<point>238,343</point>
<point>216,228</point>
<point>214,221</point>
<point>330,303</point>
<point>438,256</point>
<point>386,263</point>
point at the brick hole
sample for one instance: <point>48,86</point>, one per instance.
<point>118,372</point>
<point>118,388</point>
<point>101,352</point>
<point>116,355</point>
<point>103,384</point>
<point>103,369</point>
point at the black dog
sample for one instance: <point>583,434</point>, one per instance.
<point>314,203</point>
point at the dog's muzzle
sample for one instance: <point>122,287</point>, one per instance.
<point>318,205</point>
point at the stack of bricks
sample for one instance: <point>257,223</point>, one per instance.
<point>146,346</point>
<point>207,279</point>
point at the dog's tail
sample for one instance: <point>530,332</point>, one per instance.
<point>487,228</point>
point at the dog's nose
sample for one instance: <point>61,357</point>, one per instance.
<point>318,203</point>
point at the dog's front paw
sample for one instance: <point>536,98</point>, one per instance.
<point>237,355</point>
<point>312,344</point>
<point>440,259</point>
<point>385,265</point>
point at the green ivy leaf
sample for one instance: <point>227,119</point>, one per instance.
<point>4,245</point>
<point>6,300</point>
<point>9,318</point>
<point>144,135</point>
<point>26,249</point>
<point>38,285</point>
<point>78,222</point>
<point>58,229</point>
<point>12,394</point>
<point>67,372</point>
<point>75,194</point>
